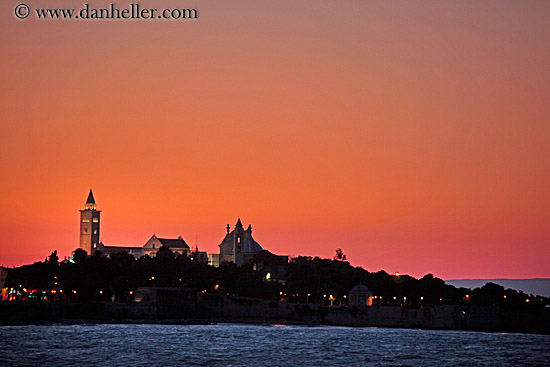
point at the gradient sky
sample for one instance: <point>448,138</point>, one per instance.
<point>413,135</point>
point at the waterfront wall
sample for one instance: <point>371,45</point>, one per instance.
<point>436,317</point>
<point>185,304</point>
<point>259,309</point>
<point>473,317</point>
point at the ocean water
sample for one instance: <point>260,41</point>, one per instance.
<point>263,345</point>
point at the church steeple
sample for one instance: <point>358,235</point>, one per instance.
<point>90,202</point>
<point>89,225</point>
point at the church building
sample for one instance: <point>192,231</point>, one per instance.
<point>238,247</point>
<point>178,246</point>
<point>90,240</point>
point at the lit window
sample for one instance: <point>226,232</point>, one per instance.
<point>95,245</point>
<point>96,220</point>
<point>95,231</point>
<point>85,220</point>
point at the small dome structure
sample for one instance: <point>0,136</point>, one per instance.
<point>360,295</point>
<point>251,246</point>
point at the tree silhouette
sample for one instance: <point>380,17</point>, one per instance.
<point>300,279</point>
<point>53,259</point>
<point>340,256</point>
<point>164,253</point>
<point>80,256</point>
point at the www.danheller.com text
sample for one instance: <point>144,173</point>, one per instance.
<point>88,12</point>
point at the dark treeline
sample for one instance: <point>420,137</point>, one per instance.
<point>302,279</point>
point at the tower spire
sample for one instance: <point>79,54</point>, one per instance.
<point>90,202</point>
<point>90,198</point>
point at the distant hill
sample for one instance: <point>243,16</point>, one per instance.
<point>535,286</point>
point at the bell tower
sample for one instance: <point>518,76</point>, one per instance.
<point>238,244</point>
<point>89,225</point>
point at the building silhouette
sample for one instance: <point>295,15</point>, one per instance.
<point>178,246</point>
<point>90,239</point>
<point>238,246</point>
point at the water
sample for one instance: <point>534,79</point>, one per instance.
<point>259,345</point>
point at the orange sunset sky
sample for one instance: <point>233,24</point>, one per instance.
<point>413,135</point>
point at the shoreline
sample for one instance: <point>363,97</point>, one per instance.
<point>215,321</point>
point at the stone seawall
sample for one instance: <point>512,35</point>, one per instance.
<point>185,304</point>
<point>259,309</point>
<point>474,317</point>
<point>437,317</point>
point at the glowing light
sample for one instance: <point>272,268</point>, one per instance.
<point>216,287</point>
<point>131,292</point>
<point>396,273</point>
<point>504,296</point>
<point>100,292</point>
<point>422,298</point>
<point>467,296</point>
<point>268,276</point>
<point>527,300</point>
